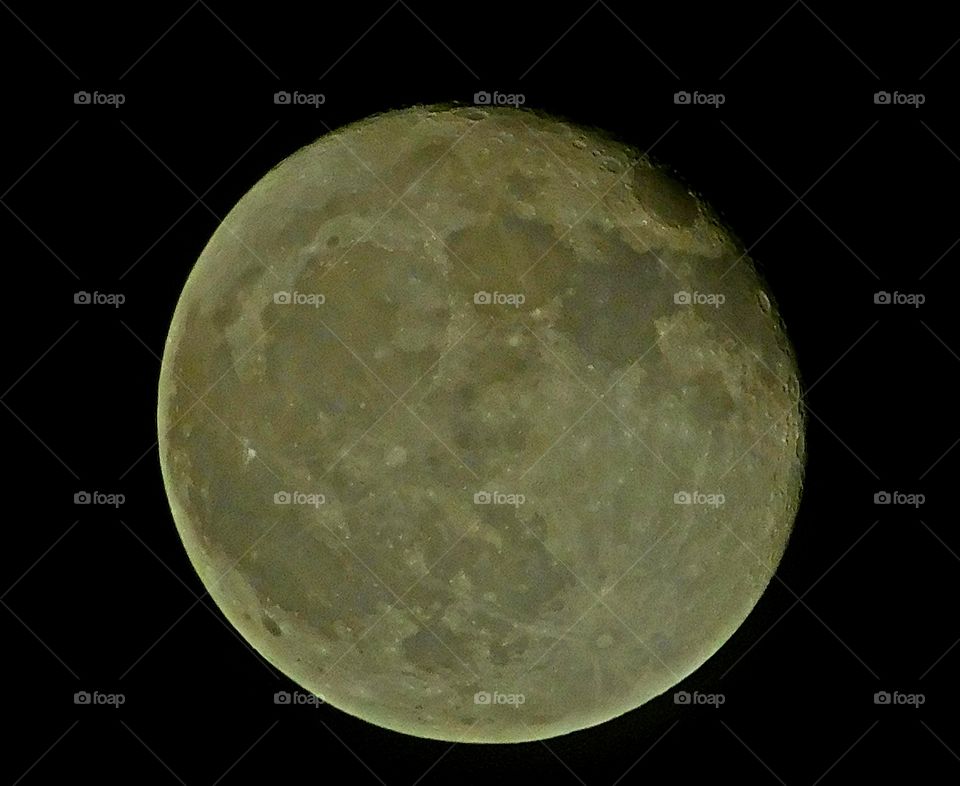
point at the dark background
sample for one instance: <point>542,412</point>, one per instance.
<point>123,200</point>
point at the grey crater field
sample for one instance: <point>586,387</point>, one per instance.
<point>478,425</point>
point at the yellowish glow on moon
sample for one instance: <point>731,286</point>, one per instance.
<point>477,424</point>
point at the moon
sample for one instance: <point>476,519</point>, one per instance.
<point>479,425</point>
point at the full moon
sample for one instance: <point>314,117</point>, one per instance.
<point>479,425</point>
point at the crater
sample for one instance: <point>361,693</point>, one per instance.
<point>665,197</point>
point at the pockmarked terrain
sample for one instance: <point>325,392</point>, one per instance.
<point>479,425</point>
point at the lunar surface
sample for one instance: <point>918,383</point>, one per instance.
<point>478,425</point>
